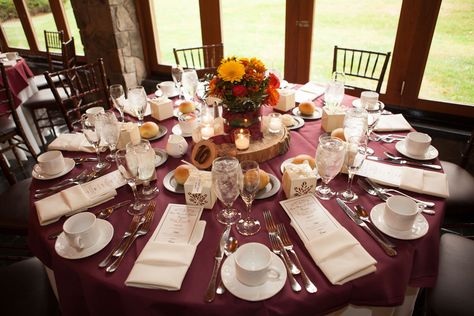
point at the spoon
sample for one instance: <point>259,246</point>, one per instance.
<point>363,215</point>
<point>229,248</point>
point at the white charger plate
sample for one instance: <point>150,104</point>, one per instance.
<point>317,114</point>
<point>270,189</point>
<point>171,185</point>
<point>63,248</point>
<point>431,153</point>
<point>69,164</point>
<point>419,229</point>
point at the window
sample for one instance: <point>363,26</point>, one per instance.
<point>71,19</point>
<point>42,19</point>
<point>11,26</point>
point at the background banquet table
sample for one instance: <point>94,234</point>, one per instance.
<point>85,289</point>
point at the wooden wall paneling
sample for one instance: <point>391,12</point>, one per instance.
<point>211,27</point>
<point>57,8</point>
<point>291,41</point>
<point>25,19</point>
<point>148,33</point>
<point>3,40</point>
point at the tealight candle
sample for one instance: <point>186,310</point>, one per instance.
<point>207,131</point>
<point>242,138</point>
<point>274,126</point>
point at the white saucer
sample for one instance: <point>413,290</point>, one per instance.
<point>356,103</point>
<point>161,132</point>
<point>431,153</point>
<point>171,185</point>
<point>159,93</point>
<point>299,123</point>
<point>177,131</point>
<point>270,189</point>
<point>63,248</point>
<point>252,293</point>
<point>419,229</point>
<point>177,112</point>
<point>69,165</point>
<point>317,114</point>
<point>160,157</point>
<point>283,84</point>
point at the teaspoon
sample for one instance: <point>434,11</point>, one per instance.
<point>229,248</point>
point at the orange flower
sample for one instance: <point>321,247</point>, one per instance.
<point>274,82</point>
<point>272,96</point>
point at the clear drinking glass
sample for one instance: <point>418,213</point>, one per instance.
<point>373,114</point>
<point>110,133</point>
<point>118,97</point>
<point>177,74</point>
<point>356,151</point>
<point>190,83</point>
<point>92,129</point>
<point>137,99</point>
<point>127,164</point>
<point>329,159</point>
<point>226,179</point>
<point>355,123</point>
<point>248,189</point>
<point>146,167</point>
<point>335,90</point>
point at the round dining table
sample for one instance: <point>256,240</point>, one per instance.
<point>85,289</point>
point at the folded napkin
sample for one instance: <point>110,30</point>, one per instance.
<point>308,92</point>
<point>163,265</point>
<point>130,109</point>
<point>71,142</point>
<point>391,123</point>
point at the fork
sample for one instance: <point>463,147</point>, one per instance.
<point>287,243</point>
<point>295,286</point>
<point>142,230</point>
<point>63,182</point>
<point>56,189</point>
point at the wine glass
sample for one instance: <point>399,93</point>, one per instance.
<point>177,74</point>
<point>190,82</point>
<point>355,123</point>
<point>335,91</point>
<point>137,99</point>
<point>373,114</point>
<point>110,133</point>
<point>118,97</point>
<point>146,167</point>
<point>92,129</point>
<point>329,159</point>
<point>226,178</point>
<point>127,164</point>
<point>356,151</point>
<point>248,189</point>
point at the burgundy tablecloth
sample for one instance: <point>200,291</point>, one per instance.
<point>84,289</point>
<point>18,76</point>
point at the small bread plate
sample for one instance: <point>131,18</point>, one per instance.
<point>171,185</point>
<point>299,123</point>
<point>160,157</point>
<point>177,131</point>
<point>177,112</point>
<point>253,293</point>
<point>419,229</point>
<point>65,250</point>
<point>68,166</point>
<point>287,162</point>
<point>431,153</point>
<point>317,114</point>
<point>270,189</point>
<point>357,104</point>
<point>161,132</point>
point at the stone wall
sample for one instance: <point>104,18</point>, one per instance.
<point>109,29</point>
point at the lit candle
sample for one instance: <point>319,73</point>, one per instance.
<point>207,131</point>
<point>242,139</point>
<point>275,123</point>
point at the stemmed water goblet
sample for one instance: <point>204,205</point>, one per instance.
<point>177,74</point>
<point>355,123</point>
<point>226,178</point>
<point>92,129</point>
<point>118,98</point>
<point>248,189</point>
<point>374,110</point>
<point>137,99</point>
<point>356,151</point>
<point>335,90</point>
<point>329,159</point>
<point>110,133</point>
<point>145,156</point>
<point>127,164</point>
<point>190,83</point>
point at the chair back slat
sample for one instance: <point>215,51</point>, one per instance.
<point>68,50</point>
<point>205,59</point>
<point>53,41</point>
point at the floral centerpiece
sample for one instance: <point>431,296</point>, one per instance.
<point>244,85</point>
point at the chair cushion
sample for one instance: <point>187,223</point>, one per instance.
<point>41,83</point>
<point>452,294</point>
<point>25,289</point>
<point>15,208</point>
<point>460,203</point>
<point>41,99</point>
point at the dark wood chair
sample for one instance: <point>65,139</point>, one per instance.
<point>12,135</point>
<point>363,65</point>
<point>85,87</point>
<point>205,59</point>
<point>53,41</point>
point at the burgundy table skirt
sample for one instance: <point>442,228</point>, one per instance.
<point>85,289</point>
<point>18,76</point>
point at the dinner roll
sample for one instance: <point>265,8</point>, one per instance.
<point>338,133</point>
<point>288,120</point>
<point>307,108</point>
<point>302,158</point>
<point>181,173</point>
<point>149,130</point>
<point>187,107</point>
<point>264,179</point>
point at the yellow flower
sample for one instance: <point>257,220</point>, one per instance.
<point>231,70</point>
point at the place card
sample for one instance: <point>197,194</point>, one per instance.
<point>104,184</point>
<point>178,224</point>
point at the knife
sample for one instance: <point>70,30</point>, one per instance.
<point>386,248</point>
<point>211,288</point>
<point>405,162</point>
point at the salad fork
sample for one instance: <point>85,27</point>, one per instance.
<point>295,286</point>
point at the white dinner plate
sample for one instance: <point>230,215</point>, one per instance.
<point>431,153</point>
<point>299,123</point>
<point>177,131</point>
<point>63,248</point>
<point>356,103</point>
<point>270,189</point>
<point>161,132</point>
<point>317,114</point>
<point>171,185</point>
<point>419,229</point>
<point>68,166</point>
<point>160,157</point>
<point>252,293</point>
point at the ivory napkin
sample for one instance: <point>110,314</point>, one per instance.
<point>308,92</point>
<point>391,123</point>
<point>130,109</point>
<point>71,142</point>
<point>334,250</point>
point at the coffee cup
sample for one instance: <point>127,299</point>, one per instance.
<point>176,146</point>
<point>400,212</point>
<point>50,163</point>
<point>417,144</point>
<point>369,100</point>
<point>167,87</point>
<point>81,230</point>
<point>12,55</point>
<point>187,122</point>
<point>253,264</point>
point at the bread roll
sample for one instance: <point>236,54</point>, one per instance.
<point>288,120</point>
<point>149,130</point>
<point>302,158</point>
<point>187,107</point>
<point>307,108</point>
<point>181,173</point>
<point>338,133</point>
<point>264,179</point>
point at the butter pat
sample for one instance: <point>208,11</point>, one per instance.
<point>298,180</point>
<point>129,132</point>
<point>161,108</point>
<point>286,101</point>
<point>332,118</point>
<point>198,189</point>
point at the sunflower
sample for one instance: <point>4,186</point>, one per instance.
<point>231,71</point>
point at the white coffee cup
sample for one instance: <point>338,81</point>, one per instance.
<point>187,122</point>
<point>12,55</point>
<point>50,163</point>
<point>400,212</point>
<point>253,264</point>
<point>176,146</point>
<point>369,99</point>
<point>81,230</point>
<point>417,144</point>
<point>167,87</point>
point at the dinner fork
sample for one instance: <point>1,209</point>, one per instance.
<point>295,286</point>
<point>288,244</point>
<point>56,189</point>
<point>142,230</point>
<point>63,182</point>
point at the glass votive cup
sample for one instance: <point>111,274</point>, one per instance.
<point>207,131</point>
<point>242,138</point>
<point>274,123</point>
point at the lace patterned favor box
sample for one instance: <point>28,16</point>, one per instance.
<point>198,189</point>
<point>298,180</point>
<point>286,101</point>
<point>332,118</point>
<point>161,108</point>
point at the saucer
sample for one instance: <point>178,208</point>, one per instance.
<point>69,164</point>
<point>252,293</point>
<point>177,112</point>
<point>299,123</point>
<point>317,114</point>
<point>160,157</point>
<point>171,185</point>
<point>159,93</point>
<point>357,104</point>
<point>161,132</point>
<point>63,248</point>
<point>283,84</point>
<point>431,153</point>
<point>270,189</point>
<point>177,131</point>
<point>419,229</point>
